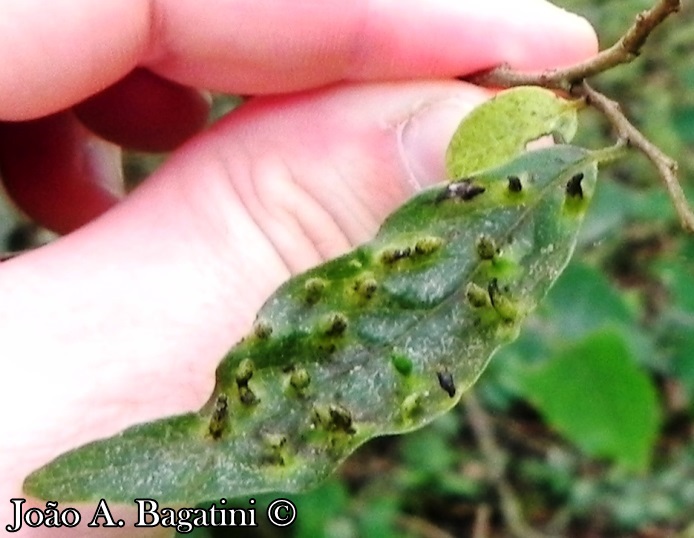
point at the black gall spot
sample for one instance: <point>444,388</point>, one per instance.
<point>446,382</point>
<point>514,184</point>
<point>464,190</point>
<point>573,186</point>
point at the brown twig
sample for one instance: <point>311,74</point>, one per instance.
<point>623,51</point>
<point>420,527</point>
<point>496,467</point>
<point>482,516</point>
<point>572,79</point>
<point>667,167</point>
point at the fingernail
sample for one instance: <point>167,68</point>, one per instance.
<point>425,135</point>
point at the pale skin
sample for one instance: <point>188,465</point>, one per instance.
<point>125,318</point>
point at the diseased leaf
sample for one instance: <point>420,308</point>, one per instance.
<point>501,128</point>
<point>595,394</point>
<point>379,341</point>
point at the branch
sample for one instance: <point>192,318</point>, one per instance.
<point>667,167</point>
<point>623,51</point>
<point>420,527</point>
<point>496,467</point>
<point>572,79</point>
<point>482,516</point>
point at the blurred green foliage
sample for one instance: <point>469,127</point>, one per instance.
<point>597,396</point>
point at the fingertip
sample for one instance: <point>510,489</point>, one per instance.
<point>62,52</point>
<point>568,38</point>
<point>57,172</point>
<point>425,135</point>
<point>586,43</point>
<point>451,38</point>
<point>553,37</point>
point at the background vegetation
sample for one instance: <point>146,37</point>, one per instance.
<point>586,423</point>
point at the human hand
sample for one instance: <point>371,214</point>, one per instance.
<point>125,319</point>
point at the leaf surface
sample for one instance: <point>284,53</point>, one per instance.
<point>501,128</point>
<point>379,341</point>
<point>597,396</point>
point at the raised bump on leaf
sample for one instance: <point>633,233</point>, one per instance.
<point>506,308</point>
<point>314,289</point>
<point>320,415</point>
<point>275,440</point>
<point>300,379</point>
<point>335,418</point>
<point>392,255</point>
<point>401,363</point>
<point>354,264</point>
<point>486,247</point>
<point>244,372</point>
<point>477,296</point>
<point>366,287</point>
<point>341,419</point>
<point>427,245</point>
<point>275,448</point>
<point>247,396</point>
<point>220,417</point>
<point>335,324</point>
<point>327,348</point>
<point>262,330</point>
<point>411,405</point>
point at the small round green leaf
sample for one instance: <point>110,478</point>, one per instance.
<point>501,128</point>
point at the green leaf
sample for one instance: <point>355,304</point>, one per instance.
<point>379,341</point>
<point>429,455</point>
<point>608,213</point>
<point>501,128</point>
<point>318,508</point>
<point>678,340</point>
<point>683,123</point>
<point>677,329</point>
<point>595,395</point>
<point>379,518</point>
<point>583,301</point>
<point>678,274</point>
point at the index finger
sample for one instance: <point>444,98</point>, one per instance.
<point>67,50</point>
